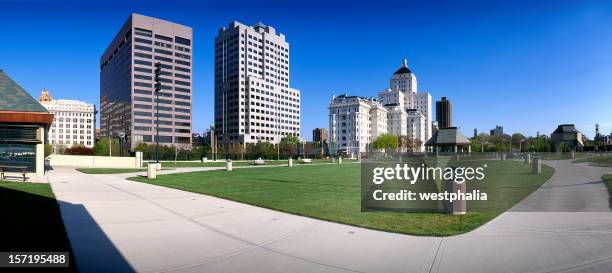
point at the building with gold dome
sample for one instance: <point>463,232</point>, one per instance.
<point>73,124</point>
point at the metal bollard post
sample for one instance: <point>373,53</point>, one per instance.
<point>228,165</point>
<point>290,162</point>
<point>457,207</point>
<point>536,165</point>
<point>151,171</point>
<point>527,158</point>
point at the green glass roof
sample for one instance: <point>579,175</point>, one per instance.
<point>14,98</point>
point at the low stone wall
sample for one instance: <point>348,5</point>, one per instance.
<point>96,161</point>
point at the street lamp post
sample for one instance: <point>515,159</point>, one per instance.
<point>121,142</point>
<point>157,89</point>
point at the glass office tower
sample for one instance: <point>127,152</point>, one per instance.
<point>127,97</point>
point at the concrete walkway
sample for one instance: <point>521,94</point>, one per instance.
<point>116,225</point>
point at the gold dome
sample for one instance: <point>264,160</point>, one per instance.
<point>44,96</point>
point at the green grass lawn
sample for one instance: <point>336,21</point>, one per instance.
<point>113,170</point>
<point>187,164</point>
<point>601,161</point>
<point>562,156</point>
<point>31,220</point>
<point>333,192</point>
<point>607,179</point>
<point>110,170</point>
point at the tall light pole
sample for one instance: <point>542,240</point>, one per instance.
<point>108,128</point>
<point>157,89</point>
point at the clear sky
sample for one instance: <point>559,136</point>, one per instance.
<point>525,65</point>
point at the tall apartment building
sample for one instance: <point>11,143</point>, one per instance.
<point>405,81</point>
<point>354,122</point>
<point>127,97</point>
<point>400,110</point>
<point>416,128</point>
<point>397,120</point>
<point>378,119</point>
<point>253,98</point>
<point>443,113</point>
<point>74,122</point>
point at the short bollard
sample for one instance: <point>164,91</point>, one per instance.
<point>228,165</point>
<point>536,165</point>
<point>290,162</point>
<point>339,160</point>
<point>151,171</point>
<point>503,156</point>
<point>572,155</point>
<point>527,158</point>
<point>457,207</point>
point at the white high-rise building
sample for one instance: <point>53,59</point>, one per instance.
<point>416,128</point>
<point>397,120</point>
<point>404,81</point>
<point>253,99</point>
<point>73,123</point>
<point>400,110</point>
<point>392,97</point>
<point>378,120</point>
<point>353,121</point>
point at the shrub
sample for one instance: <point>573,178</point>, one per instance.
<point>79,150</point>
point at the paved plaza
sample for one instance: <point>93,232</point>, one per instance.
<point>118,225</point>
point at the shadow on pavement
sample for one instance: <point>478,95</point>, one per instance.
<point>95,251</point>
<point>32,221</point>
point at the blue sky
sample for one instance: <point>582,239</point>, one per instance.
<point>525,65</point>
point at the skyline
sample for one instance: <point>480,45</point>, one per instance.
<point>565,54</point>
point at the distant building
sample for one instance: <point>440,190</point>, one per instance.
<point>566,137</point>
<point>319,135</point>
<point>443,113</point>
<point>498,131</point>
<point>74,121</point>
<point>354,122</point>
<point>24,124</point>
<point>197,139</point>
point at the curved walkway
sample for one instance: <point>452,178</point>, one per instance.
<point>119,225</point>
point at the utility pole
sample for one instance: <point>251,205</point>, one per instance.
<point>157,89</point>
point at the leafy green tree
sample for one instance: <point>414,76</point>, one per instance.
<point>517,138</point>
<point>48,150</point>
<point>101,147</point>
<point>288,145</point>
<point>265,150</point>
<point>540,145</point>
<point>385,142</point>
